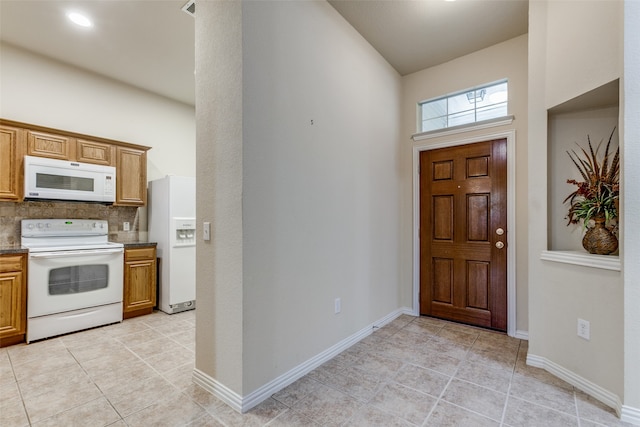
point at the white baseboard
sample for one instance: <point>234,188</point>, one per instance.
<point>404,310</point>
<point>630,415</point>
<point>605,396</point>
<point>244,403</point>
<point>218,389</point>
<point>523,335</point>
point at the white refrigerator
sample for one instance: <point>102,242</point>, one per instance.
<point>172,225</point>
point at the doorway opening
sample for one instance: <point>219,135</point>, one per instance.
<point>509,242</point>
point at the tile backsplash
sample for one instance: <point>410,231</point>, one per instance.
<point>12,213</point>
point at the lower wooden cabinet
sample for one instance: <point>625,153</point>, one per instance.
<point>13,298</point>
<point>139,281</point>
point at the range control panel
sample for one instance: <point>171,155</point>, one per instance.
<point>64,227</point>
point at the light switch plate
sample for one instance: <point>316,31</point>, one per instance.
<point>206,231</point>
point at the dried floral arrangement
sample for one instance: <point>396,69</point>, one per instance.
<point>598,193</point>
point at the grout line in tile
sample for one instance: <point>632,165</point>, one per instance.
<point>425,422</point>
<point>468,410</point>
<point>506,402</point>
<point>92,382</point>
<point>24,407</point>
<point>548,407</point>
<point>573,389</point>
<point>513,371</point>
<point>575,401</point>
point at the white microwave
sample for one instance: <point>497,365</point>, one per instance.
<point>64,180</point>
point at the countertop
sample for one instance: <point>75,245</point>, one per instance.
<point>131,239</point>
<point>19,249</point>
<point>135,244</point>
<point>13,249</point>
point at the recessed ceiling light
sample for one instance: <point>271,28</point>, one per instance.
<point>79,19</point>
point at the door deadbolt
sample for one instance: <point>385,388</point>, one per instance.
<point>499,245</point>
<point>499,231</point>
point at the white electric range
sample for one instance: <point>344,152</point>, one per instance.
<point>75,276</point>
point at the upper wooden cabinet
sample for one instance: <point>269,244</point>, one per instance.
<point>69,148</point>
<point>131,183</point>
<point>95,152</point>
<point>11,159</point>
<point>49,145</point>
<point>18,139</point>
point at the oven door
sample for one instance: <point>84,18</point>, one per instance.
<point>62,281</point>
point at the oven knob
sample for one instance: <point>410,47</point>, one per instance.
<point>48,225</point>
<point>30,226</point>
<point>40,225</point>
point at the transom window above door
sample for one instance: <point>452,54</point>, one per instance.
<point>470,106</point>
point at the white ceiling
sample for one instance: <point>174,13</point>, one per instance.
<point>150,43</point>
<point>416,34</point>
<point>146,43</point>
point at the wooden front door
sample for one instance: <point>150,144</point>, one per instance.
<point>463,233</point>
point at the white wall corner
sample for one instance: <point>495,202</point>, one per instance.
<point>409,311</point>
<point>219,390</point>
<point>630,202</point>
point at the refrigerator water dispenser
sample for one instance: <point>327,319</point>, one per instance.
<point>184,232</point>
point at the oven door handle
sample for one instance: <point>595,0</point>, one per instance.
<point>88,252</point>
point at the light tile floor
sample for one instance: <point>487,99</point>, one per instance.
<point>412,372</point>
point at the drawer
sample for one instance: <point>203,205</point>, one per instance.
<point>140,253</point>
<point>11,263</point>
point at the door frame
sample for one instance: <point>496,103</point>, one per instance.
<point>452,141</point>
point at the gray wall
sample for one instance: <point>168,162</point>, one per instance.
<point>320,202</point>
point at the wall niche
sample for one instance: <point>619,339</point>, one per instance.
<point>594,114</point>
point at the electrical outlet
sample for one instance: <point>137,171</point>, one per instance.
<point>337,306</point>
<point>125,226</point>
<point>584,329</point>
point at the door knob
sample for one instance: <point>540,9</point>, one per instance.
<point>499,245</point>
<point>499,231</point>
